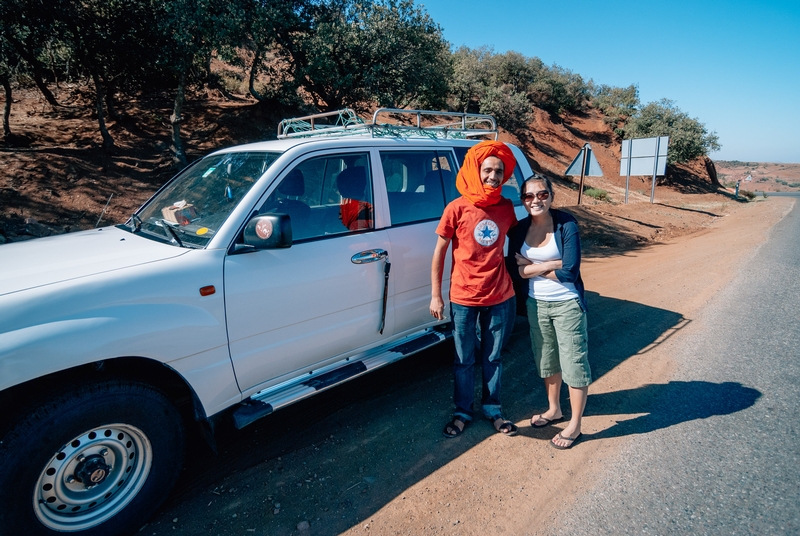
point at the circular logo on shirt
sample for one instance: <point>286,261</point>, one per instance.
<point>486,233</point>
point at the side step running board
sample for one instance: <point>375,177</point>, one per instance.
<point>265,402</point>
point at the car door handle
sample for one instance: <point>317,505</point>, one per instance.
<point>370,255</point>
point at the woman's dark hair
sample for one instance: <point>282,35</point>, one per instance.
<point>536,177</point>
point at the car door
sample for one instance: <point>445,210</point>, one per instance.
<point>291,311</point>
<point>416,184</point>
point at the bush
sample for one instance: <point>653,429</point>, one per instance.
<point>511,109</point>
<point>617,104</point>
<point>597,193</point>
<point>747,194</point>
<point>688,138</point>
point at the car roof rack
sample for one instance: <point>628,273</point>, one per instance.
<point>388,122</point>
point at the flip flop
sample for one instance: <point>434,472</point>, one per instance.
<point>547,422</point>
<point>572,441</point>
<point>451,430</point>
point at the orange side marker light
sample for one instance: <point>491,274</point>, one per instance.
<point>207,291</point>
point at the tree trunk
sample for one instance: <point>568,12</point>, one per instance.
<point>111,106</point>
<point>36,67</point>
<point>175,119</point>
<point>7,108</point>
<point>253,72</point>
<point>712,171</point>
<point>108,141</point>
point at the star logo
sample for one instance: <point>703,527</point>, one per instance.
<point>486,233</point>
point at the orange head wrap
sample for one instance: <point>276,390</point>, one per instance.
<point>468,181</point>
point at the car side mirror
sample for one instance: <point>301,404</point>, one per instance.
<point>268,231</point>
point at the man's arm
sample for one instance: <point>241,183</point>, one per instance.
<point>437,268</point>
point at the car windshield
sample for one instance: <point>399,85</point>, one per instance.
<point>191,208</point>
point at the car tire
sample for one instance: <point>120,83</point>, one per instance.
<point>96,460</point>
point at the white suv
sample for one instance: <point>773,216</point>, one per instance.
<point>258,276</point>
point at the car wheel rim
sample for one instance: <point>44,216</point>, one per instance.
<point>92,478</point>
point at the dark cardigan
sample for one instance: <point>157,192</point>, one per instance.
<point>568,241</point>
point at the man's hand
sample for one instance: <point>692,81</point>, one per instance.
<point>437,308</point>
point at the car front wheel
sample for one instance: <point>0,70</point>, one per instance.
<point>94,461</point>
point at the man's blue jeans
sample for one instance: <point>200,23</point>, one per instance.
<point>480,332</point>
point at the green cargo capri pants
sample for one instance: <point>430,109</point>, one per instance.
<point>559,339</point>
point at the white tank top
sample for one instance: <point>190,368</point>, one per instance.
<point>542,288</point>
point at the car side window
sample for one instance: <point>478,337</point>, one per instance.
<point>511,189</point>
<point>327,195</point>
<point>415,183</point>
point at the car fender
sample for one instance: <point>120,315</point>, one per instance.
<point>141,311</point>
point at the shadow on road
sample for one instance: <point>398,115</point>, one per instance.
<point>668,404</point>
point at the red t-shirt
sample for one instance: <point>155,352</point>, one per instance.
<point>479,276</point>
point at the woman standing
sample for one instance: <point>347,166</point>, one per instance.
<point>547,251</point>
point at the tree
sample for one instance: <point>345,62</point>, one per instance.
<point>409,58</point>
<point>558,90</point>
<point>191,30</point>
<point>8,60</point>
<point>359,51</point>
<point>492,84</point>
<point>688,138</point>
<point>510,108</point>
<point>616,104</point>
<point>471,77</point>
<point>264,25</point>
<point>26,26</point>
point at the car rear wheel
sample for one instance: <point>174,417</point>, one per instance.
<point>94,461</point>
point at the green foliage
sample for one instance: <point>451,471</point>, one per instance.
<point>334,53</point>
<point>597,193</point>
<point>688,138</point>
<point>508,85</point>
<point>510,108</point>
<point>616,104</point>
<point>558,90</point>
<point>360,51</point>
<point>747,194</point>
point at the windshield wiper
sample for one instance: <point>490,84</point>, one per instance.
<point>172,231</point>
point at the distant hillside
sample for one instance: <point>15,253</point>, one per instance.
<point>759,176</point>
<point>552,142</point>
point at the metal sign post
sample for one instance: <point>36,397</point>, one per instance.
<point>628,176</point>
<point>583,174</point>
<point>655,171</point>
<point>644,156</point>
<point>588,166</point>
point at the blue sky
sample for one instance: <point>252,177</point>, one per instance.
<point>733,65</point>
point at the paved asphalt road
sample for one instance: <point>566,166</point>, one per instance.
<point>718,451</point>
<point>780,194</point>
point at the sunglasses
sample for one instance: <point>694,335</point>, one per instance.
<point>541,195</point>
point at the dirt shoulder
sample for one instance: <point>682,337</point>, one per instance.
<point>369,457</point>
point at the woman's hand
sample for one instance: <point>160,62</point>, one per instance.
<point>541,269</point>
<point>522,261</point>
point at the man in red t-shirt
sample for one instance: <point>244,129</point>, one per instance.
<point>482,302</point>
